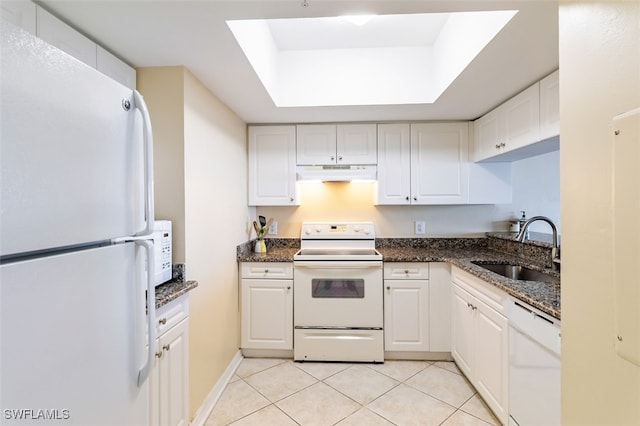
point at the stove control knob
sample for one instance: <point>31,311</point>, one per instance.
<point>318,229</point>
<point>356,229</point>
<point>367,231</point>
<point>307,231</point>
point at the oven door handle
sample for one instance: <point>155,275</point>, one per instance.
<point>325,264</point>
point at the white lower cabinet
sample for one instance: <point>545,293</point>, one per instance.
<point>406,307</point>
<point>480,334</point>
<point>169,377</point>
<point>266,306</point>
<point>416,308</point>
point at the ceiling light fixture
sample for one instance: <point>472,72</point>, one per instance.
<point>358,20</point>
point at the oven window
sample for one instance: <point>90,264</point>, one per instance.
<point>337,288</point>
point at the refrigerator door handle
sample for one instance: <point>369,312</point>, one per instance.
<point>143,373</point>
<point>148,163</point>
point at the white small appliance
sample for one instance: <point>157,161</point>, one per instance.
<point>162,251</point>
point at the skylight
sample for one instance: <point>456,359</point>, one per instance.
<point>387,60</point>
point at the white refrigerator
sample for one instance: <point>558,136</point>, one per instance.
<point>76,215</point>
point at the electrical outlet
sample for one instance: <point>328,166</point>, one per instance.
<point>273,229</point>
<point>420,227</point>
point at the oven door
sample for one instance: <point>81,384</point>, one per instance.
<point>338,294</point>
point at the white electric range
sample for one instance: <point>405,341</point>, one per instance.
<point>338,293</point>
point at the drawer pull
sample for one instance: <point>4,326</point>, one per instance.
<point>162,321</point>
<point>406,271</point>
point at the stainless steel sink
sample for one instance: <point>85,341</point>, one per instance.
<point>516,272</point>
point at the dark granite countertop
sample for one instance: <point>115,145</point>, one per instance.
<point>274,254</point>
<point>461,252</point>
<point>171,290</point>
<point>544,296</point>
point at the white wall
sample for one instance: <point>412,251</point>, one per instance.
<point>536,189</point>
<point>599,78</point>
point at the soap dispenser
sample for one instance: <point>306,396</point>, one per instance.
<point>521,223</point>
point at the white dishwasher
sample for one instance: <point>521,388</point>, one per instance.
<point>534,366</point>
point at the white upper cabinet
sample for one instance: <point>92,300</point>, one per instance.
<point>316,144</point>
<point>427,163</point>
<point>550,106</point>
<point>46,26</point>
<point>272,166</point>
<point>356,144</point>
<point>55,32</point>
<point>512,125</point>
<point>439,163</point>
<point>20,13</point>
<point>326,144</point>
<point>520,127</point>
<point>394,164</point>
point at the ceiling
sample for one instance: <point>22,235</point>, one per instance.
<point>195,34</point>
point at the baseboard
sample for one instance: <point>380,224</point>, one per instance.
<point>417,356</point>
<point>210,401</point>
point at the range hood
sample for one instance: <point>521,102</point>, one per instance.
<point>336,173</point>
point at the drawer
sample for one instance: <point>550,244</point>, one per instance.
<point>491,295</point>
<point>171,314</point>
<point>406,271</point>
<point>273,270</point>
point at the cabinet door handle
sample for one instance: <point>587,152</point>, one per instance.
<point>166,347</point>
<point>415,198</point>
<point>159,354</point>
<point>406,271</point>
<point>339,157</point>
<point>291,199</point>
<point>407,198</point>
<point>502,144</point>
<point>288,287</point>
<point>388,287</point>
<point>162,321</point>
<point>266,271</point>
<point>333,158</point>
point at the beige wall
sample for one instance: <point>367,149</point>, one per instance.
<point>200,162</point>
<point>163,91</point>
<point>215,167</point>
<point>599,78</point>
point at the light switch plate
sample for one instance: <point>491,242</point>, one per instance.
<point>420,227</point>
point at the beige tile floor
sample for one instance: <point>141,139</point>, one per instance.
<point>281,392</point>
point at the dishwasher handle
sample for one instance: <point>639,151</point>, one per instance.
<point>536,325</point>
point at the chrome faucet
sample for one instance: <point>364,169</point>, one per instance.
<point>555,251</point>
